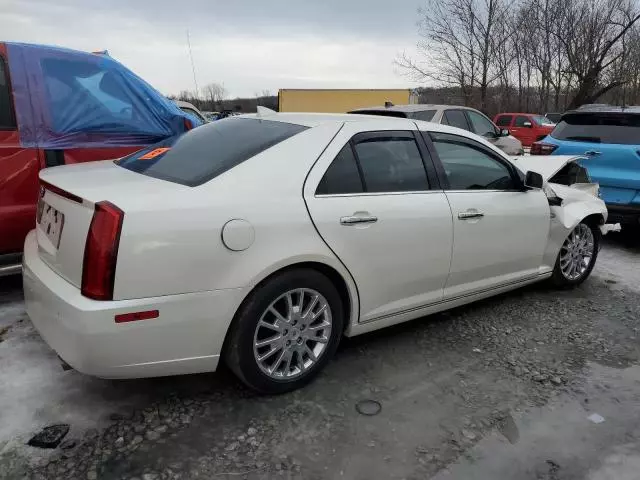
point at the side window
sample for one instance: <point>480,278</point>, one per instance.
<point>469,166</point>
<point>424,115</point>
<point>88,97</point>
<point>455,118</point>
<point>504,120</point>
<point>342,176</point>
<point>481,125</point>
<point>7,120</point>
<point>391,162</point>
<point>520,121</point>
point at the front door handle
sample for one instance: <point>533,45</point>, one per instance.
<point>591,153</point>
<point>470,215</point>
<point>356,219</point>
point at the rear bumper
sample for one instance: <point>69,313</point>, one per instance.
<point>186,337</point>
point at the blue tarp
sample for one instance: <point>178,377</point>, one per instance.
<point>70,99</point>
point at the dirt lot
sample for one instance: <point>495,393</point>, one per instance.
<point>535,384</point>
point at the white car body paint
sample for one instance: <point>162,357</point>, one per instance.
<point>172,256</point>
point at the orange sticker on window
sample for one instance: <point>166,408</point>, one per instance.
<point>154,153</point>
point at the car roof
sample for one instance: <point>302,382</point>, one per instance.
<point>182,103</point>
<point>316,119</point>
<point>518,113</point>
<point>414,107</point>
<point>600,108</point>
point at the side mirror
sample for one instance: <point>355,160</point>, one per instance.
<point>527,124</point>
<point>533,180</point>
<point>504,133</point>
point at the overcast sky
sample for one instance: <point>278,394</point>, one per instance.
<point>248,45</point>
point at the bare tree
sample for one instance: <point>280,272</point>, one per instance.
<point>460,42</point>
<point>592,34</point>
<point>214,94</point>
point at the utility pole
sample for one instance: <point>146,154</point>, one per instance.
<point>193,66</point>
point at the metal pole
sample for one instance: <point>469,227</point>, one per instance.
<point>193,66</point>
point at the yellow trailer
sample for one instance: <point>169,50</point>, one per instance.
<point>339,100</point>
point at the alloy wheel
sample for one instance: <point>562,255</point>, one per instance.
<point>292,334</point>
<point>576,253</point>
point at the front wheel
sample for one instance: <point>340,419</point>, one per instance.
<point>286,331</point>
<point>577,256</point>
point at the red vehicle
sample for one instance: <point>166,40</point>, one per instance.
<point>526,127</point>
<point>60,106</point>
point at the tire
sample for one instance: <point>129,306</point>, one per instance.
<point>295,367</point>
<point>562,276</point>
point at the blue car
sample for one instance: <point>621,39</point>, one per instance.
<point>609,139</point>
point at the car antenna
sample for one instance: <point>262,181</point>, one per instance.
<point>264,111</point>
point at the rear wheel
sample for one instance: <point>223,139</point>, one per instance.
<point>285,332</point>
<point>577,256</point>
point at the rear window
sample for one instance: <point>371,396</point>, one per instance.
<point>210,150</point>
<point>617,128</point>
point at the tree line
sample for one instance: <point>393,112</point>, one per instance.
<point>213,98</point>
<point>535,55</point>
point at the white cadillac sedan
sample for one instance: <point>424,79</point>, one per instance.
<point>263,239</point>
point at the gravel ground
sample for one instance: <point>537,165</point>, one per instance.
<point>461,392</point>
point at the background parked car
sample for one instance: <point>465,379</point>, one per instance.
<point>191,109</point>
<point>609,138</point>
<point>554,117</point>
<point>61,106</point>
<point>526,127</point>
<point>462,117</point>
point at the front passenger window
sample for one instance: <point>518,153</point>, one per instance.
<point>469,166</point>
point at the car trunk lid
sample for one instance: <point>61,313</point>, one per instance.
<point>68,196</point>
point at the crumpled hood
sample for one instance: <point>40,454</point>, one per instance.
<point>545,165</point>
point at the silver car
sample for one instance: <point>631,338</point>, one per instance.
<point>462,117</point>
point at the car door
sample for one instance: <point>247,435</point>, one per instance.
<point>19,167</point>
<point>499,229</point>
<point>375,200</point>
<point>523,130</point>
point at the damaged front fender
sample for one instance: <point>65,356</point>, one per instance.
<point>568,207</point>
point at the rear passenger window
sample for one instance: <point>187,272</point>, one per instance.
<point>342,176</point>
<point>391,162</point>
<point>520,121</point>
<point>504,120</point>
<point>7,120</point>
<point>455,118</point>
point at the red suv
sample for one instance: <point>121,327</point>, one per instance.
<point>526,127</point>
<point>58,107</point>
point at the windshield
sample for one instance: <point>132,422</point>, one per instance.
<point>618,128</point>
<point>210,150</point>
<point>540,120</point>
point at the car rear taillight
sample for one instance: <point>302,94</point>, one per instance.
<point>188,125</point>
<point>101,252</point>
<point>541,148</point>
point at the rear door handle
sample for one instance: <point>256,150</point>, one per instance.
<point>592,153</point>
<point>469,215</point>
<point>356,219</point>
